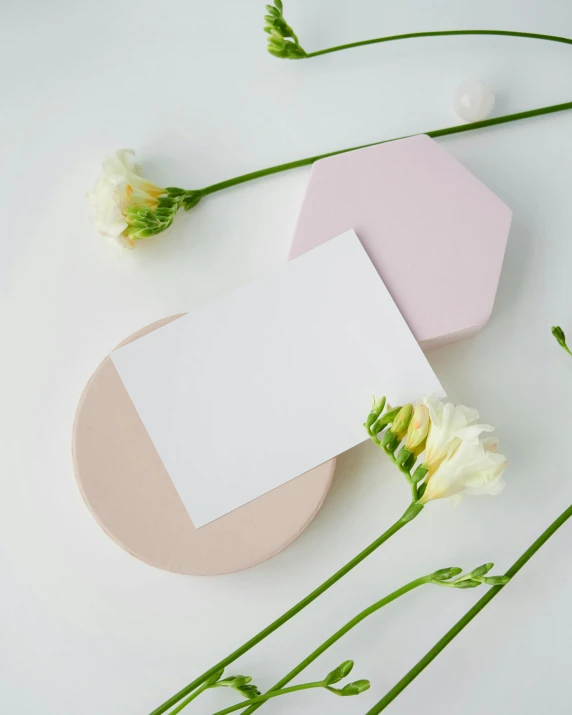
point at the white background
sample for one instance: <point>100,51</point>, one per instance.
<point>85,628</point>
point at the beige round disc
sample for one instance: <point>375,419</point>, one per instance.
<point>131,495</point>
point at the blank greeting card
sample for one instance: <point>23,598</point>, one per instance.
<point>273,379</point>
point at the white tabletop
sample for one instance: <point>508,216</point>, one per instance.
<point>85,627</point>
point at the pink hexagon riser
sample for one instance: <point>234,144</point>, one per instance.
<point>435,233</point>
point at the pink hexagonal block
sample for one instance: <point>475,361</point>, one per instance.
<point>435,233</point>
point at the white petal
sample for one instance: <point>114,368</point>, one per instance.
<point>472,432</point>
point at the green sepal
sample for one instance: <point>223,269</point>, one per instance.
<point>412,511</point>
<point>165,202</point>
<point>406,459</point>
<point>469,583</point>
<point>214,678</point>
<point>191,200</point>
<point>390,442</point>
<point>481,570</point>
<point>249,691</point>
<point>385,420</point>
<point>496,580</point>
<point>355,688</point>
<point>446,574</point>
<point>240,683</point>
<point>175,191</point>
<point>419,474</point>
<point>421,489</point>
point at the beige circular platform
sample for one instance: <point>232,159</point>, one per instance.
<point>131,495</point>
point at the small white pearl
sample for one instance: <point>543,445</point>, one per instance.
<point>473,101</point>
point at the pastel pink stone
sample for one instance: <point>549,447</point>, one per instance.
<point>435,233</point>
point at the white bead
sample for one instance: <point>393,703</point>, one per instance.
<point>473,101</point>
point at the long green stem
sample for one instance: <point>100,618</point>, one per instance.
<point>191,697</point>
<point>409,514</point>
<point>441,33</point>
<point>457,129</point>
<point>468,617</point>
<point>259,699</point>
<point>337,635</point>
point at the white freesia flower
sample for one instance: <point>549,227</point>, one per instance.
<point>447,421</point>
<point>121,186</point>
<point>472,466</point>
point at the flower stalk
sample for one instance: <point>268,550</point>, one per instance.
<point>400,424</point>
<point>442,577</point>
<point>111,220</point>
<point>283,43</point>
<point>333,678</point>
<point>452,633</point>
<point>312,596</point>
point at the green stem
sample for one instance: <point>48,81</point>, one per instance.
<point>442,33</point>
<point>338,634</point>
<point>399,524</point>
<point>458,129</point>
<point>259,699</point>
<point>192,696</point>
<point>468,617</point>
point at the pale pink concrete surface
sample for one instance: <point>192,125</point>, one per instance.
<point>435,233</point>
<point>129,492</point>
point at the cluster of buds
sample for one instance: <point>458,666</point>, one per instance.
<point>145,221</point>
<point>407,422</point>
<point>240,683</point>
<point>282,41</point>
<point>476,577</point>
<point>339,673</point>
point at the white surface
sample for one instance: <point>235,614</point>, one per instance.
<point>240,383</point>
<point>86,628</point>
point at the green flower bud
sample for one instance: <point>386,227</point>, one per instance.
<point>355,688</point>
<point>401,422</point>
<point>496,580</point>
<point>339,673</point>
<point>559,335</point>
<point>385,420</point>
<point>560,338</point>
<point>481,570</point>
<point>376,410</point>
<point>418,430</point>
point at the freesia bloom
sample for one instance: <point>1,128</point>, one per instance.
<point>121,189</point>
<point>473,466</point>
<point>447,420</point>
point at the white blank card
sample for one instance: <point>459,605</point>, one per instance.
<point>273,379</point>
